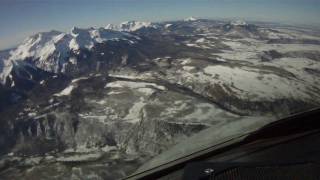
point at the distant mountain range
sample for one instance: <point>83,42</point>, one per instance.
<point>55,51</point>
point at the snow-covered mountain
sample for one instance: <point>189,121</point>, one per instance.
<point>50,51</point>
<point>238,23</point>
<point>241,29</point>
<point>130,26</point>
<point>191,19</point>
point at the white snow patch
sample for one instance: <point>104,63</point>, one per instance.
<point>133,85</point>
<point>135,112</point>
<point>108,148</point>
<point>201,40</point>
<point>79,79</point>
<point>101,102</point>
<point>167,25</point>
<point>146,91</point>
<point>188,68</point>
<point>185,61</point>
<point>67,91</point>
<point>114,85</point>
<point>73,60</point>
<point>220,59</point>
<point>101,118</point>
<point>33,160</point>
<point>80,157</point>
<point>123,76</point>
<point>114,92</point>
<point>191,19</point>
<point>232,43</point>
<point>192,45</point>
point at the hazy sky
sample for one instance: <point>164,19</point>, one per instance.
<point>20,18</point>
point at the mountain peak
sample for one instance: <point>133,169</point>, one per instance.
<point>190,19</point>
<point>238,23</point>
<point>130,26</point>
<point>111,27</point>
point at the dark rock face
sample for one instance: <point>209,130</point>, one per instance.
<point>271,55</point>
<point>125,101</point>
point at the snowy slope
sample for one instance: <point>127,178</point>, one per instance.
<point>5,67</point>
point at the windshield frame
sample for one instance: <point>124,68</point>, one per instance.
<point>264,132</point>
